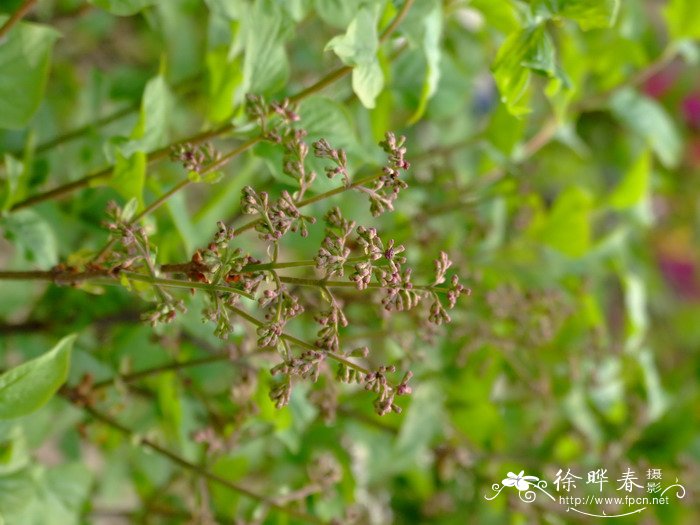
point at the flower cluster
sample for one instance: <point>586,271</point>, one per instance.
<point>195,158</point>
<point>225,272</point>
<point>323,150</point>
<point>273,130</point>
<point>305,366</point>
<point>221,265</point>
<point>386,189</point>
<point>280,307</point>
<point>136,253</point>
<point>377,382</point>
<point>293,162</point>
<point>278,217</point>
<point>348,374</point>
<point>333,253</point>
<point>330,320</point>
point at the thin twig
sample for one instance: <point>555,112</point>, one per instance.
<point>319,197</point>
<point>16,16</point>
<point>299,342</point>
<point>183,87</point>
<point>195,469</point>
<point>177,365</point>
<point>105,277</point>
<point>105,173</point>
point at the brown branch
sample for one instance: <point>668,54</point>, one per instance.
<point>105,173</point>
<point>16,16</point>
<point>111,278</point>
<point>183,88</point>
<point>71,396</point>
<point>43,325</point>
<point>177,365</point>
<point>329,79</point>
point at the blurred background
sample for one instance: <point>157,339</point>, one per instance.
<point>555,150</point>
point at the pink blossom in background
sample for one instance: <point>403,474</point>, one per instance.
<point>691,110</point>
<point>658,84</point>
<point>680,275</point>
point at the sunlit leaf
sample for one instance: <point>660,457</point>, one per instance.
<point>25,56</point>
<point>682,18</point>
<point>525,51</point>
<point>358,48</point>
<point>650,121</point>
<point>27,387</point>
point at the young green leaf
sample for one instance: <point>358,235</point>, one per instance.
<point>123,7</point>
<point>29,386</point>
<point>129,175</point>
<point>527,50</point>
<point>358,48</point>
<point>432,25</point>
<point>568,225</point>
<point>337,13</point>
<point>265,65</point>
<point>589,14</point>
<point>11,185</point>
<point>25,55</point>
<point>648,119</point>
<point>33,236</point>
<point>682,18</point>
<point>151,131</point>
<point>635,184</point>
<point>224,77</point>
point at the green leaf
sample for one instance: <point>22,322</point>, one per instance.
<point>682,19</point>
<point>337,13</point>
<point>53,496</point>
<point>367,82</point>
<point>229,9</point>
<point>589,14</point>
<point>16,492</point>
<point>231,468</point>
<point>581,415</point>
<point>224,77</point>
<point>25,56</point>
<point>422,422</point>
<point>170,405</point>
<point>657,399</point>
<point>567,228</point>
<point>151,131</point>
<point>634,187</point>
<point>649,120</point>
<point>523,52</point>
<point>358,48</point>
<point>29,386</point>
<point>123,7</point>
<point>33,236</point>
<point>360,42</point>
<point>502,16</point>
<point>431,48</point>
<point>129,175</point>
<point>637,322</point>
<point>325,118</point>
<point>14,169</point>
<point>265,65</point>
<point>297,9</point>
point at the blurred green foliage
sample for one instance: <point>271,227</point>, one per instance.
<point>555,148</point>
